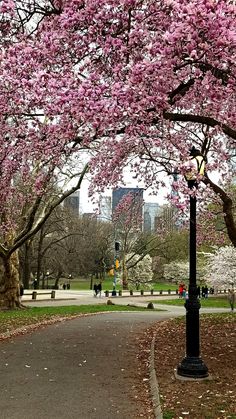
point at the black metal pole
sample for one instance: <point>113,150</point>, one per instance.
<point>192,365</point>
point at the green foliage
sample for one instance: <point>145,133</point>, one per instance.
<point>174,246</point>
<point>168,415</point>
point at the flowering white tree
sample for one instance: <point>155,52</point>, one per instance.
<point>176,271</point>
<point>140,272</point>
<point>222,268</point>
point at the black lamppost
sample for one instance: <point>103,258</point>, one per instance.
<point>192,365</point>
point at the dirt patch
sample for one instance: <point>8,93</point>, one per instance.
<point>208,399</point>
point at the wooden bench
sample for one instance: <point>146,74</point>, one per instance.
<point>34,294</point>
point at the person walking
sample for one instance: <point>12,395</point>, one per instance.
<point>95,289</point>
<point>181,287</point>
<point>99,289</point>
<point>231,298</point>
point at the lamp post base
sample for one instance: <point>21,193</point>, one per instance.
<point>192,367</point>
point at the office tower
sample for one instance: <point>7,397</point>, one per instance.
<point>119,193</point>
<point>166,220</point>
<point>72,203</point>
<point>105,208</point>
<point>151,210</point>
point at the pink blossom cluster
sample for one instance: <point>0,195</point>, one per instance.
<point>132,81</point>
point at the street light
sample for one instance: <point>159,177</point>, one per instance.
<point>192,365</point>
<point>47,276</point>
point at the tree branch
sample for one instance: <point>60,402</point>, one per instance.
<point>227,208</point>
<point>200,119</point>
<point>45,215</point>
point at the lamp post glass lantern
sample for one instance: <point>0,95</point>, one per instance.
<point>192,365</point>
<point>47,276</point>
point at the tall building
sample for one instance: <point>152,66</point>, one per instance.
<point>166,219</point>
<point>119,193</point>
<point>147,222</point>
<point>151,211</point>
<point>105,208</point>
<point>72,203</point>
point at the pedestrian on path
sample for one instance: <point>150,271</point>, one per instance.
<point>231,298</point>
<point>99,289</point>
<point>95,289</point>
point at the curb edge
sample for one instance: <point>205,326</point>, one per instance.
<point>154,384</point>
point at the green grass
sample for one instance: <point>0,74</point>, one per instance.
<point>108,285</point>
<point>13,319</point>
<point>211,302</point>
<point>168,415</point>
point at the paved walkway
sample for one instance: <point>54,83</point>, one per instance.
<point>71,297</point>
<point>79,369</point>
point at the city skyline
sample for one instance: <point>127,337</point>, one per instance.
<point>87,206</point>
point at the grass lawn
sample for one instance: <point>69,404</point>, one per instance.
<point>108,285</point>
<point>217,302</point>
<point>13,319</point>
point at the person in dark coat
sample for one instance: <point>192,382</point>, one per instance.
<point>99,289</point>
<point>231,298</point>
<point>95,288</point>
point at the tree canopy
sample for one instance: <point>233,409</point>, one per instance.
<point>135,82</point>
<point>127,78</point>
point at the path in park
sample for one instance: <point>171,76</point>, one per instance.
<point>76,369</point>
<point>74,297</point>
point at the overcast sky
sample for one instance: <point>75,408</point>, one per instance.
<point>87,206</point>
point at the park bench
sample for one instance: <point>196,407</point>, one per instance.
<point>34,294</point>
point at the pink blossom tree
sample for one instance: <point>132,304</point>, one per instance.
<point>127,221</point>
<point>134,81</point>
<point>170,71</point>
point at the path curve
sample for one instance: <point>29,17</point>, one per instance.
<point>77,369</point>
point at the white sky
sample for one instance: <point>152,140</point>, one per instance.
<point>86,204</point>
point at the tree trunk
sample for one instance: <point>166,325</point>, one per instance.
<point>227,206</point>
<point>24,263</point>
<point>9,282</point>
<point>124,274</point>
<point>40,257</point>
<point>56,285</point>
